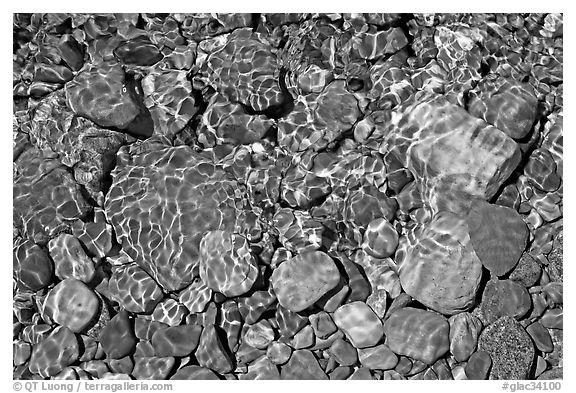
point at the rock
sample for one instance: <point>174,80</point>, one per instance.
<point>541,171</point>
<point>139,51</point>
<point>527,272</point>
<point>145,328</point>
<point>262,368</point>
<point>45,197</point>
<point>70,259</point>
<point>251,308</point>
<point>168,97</point>
<point>552,374</point>
<point>304,279</point>
<point>506,104</point>
<point>99,94</point>
<point>259,335</point>
<point>22,351</point>
<point>381,43</point>
<point>359,323</point>
<point>196,296</point>
<point>180,193</point>
<point>243,69</point>
<point>152,367</point>
<point>117,338</point>
<point>303,339</point>
<point>59,350</point>
<point>177,341</point>
<point>556,258</point>
<point>498,236</point>
<point>135,290</point>
<point>211,353</point>
<point>509,347</point>
<point>361,374</point>
<point>278,352</point>
<point>289,322</point>
<point>380,239</point>
<point>302,366</point>
<point>464,331</point>
<point>322,324</point>
<point>95,236</point>
<point>454,156</point>
<point>504,297</point>
<point>170,312</point>
<point>379,357</point>
<point>226,263</point>
<point>540,336</point>
<point>553,318</point>
<point>341,373</point>
<point>478,366</point>
<point>438,266</point>
<point>31,265</point>
<point>194,373</point>
<point>419,334</point>
<point>72,304</point>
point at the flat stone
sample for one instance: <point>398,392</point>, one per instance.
<point>438,266</point>
<point>70,259</point>
<point>135,290</point>
<point>464,331</point>
<point>504,297</point>
<point>302,366</point>
<point>304,279</point>
<point>118,338</point>
<point>226,263</point>
<point>510,348</point>
<point>478,366</point>
<point>211,353</point>
<point>177,341</point>
<point>152,367</point>
<point>498,236</point>
<point>540,336</point>
<point>419,334</point>
<point>72,304</point>
<point>31,265</point>
<point>57,351</point>
<point>359,323</point>
<point>379,357</point>
<point>194,373</point>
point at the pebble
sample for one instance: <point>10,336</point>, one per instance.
<point>478,366</point>
<point>22,351</point>
<point>553,318</point>
<point>510,348</point>
<point>70,259</point>
<point>170,312</point>
<point>261,369</point>
<point>361,374</point>
<point>504,297</point>
<point>59,350</point>
<point>278,352</point>
<point>259,335</point>
<point>344,352</point>
<point>134,289</point>
<point>498,236</point>
<point>176,341</point>
<point>303,339</point>
<point>302,366</point>
<point>380,238</point>
<point>72,304</point>
<point>226,263</point>
<point>379,357</point>
<point>211,353</point>
<point>421,335</point>
<point>540,336</point>
<point>304,279</point>
<point>152,367</point>
<point>359,323</point>
<point>117,338</point>
<point>464,331</point>
<point>527,272</point>
<point>322,324</point>
<point>194,373</point>
<point>32,266</point>
<point>438,266</point>
<point>196,296</point>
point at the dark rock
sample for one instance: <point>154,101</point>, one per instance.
<point>302,366</point>
<point>117,338</point>
<point>478,366</point>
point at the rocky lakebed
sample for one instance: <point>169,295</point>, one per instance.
<point>288,196</point>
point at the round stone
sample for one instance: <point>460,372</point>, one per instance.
<point>419,334</point>
<point>117,338</point>
<point>176,340</point>
<point>32,266</point>
<point>259,335</point>
<point>504,297</point>
<point>57,351</point>
<point>304,279</point>
<point>359,323</point>
<point>278,352</point>
<point>226,263</point>
<point>438,266</point>
<point>527,272</point>
<point>379,357</point>
<point>70,259</point>
<point>72,304</point>
<point>135,290</point>
<point>509,347</point>
<point>380,238</point>
<point>498,235</point>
